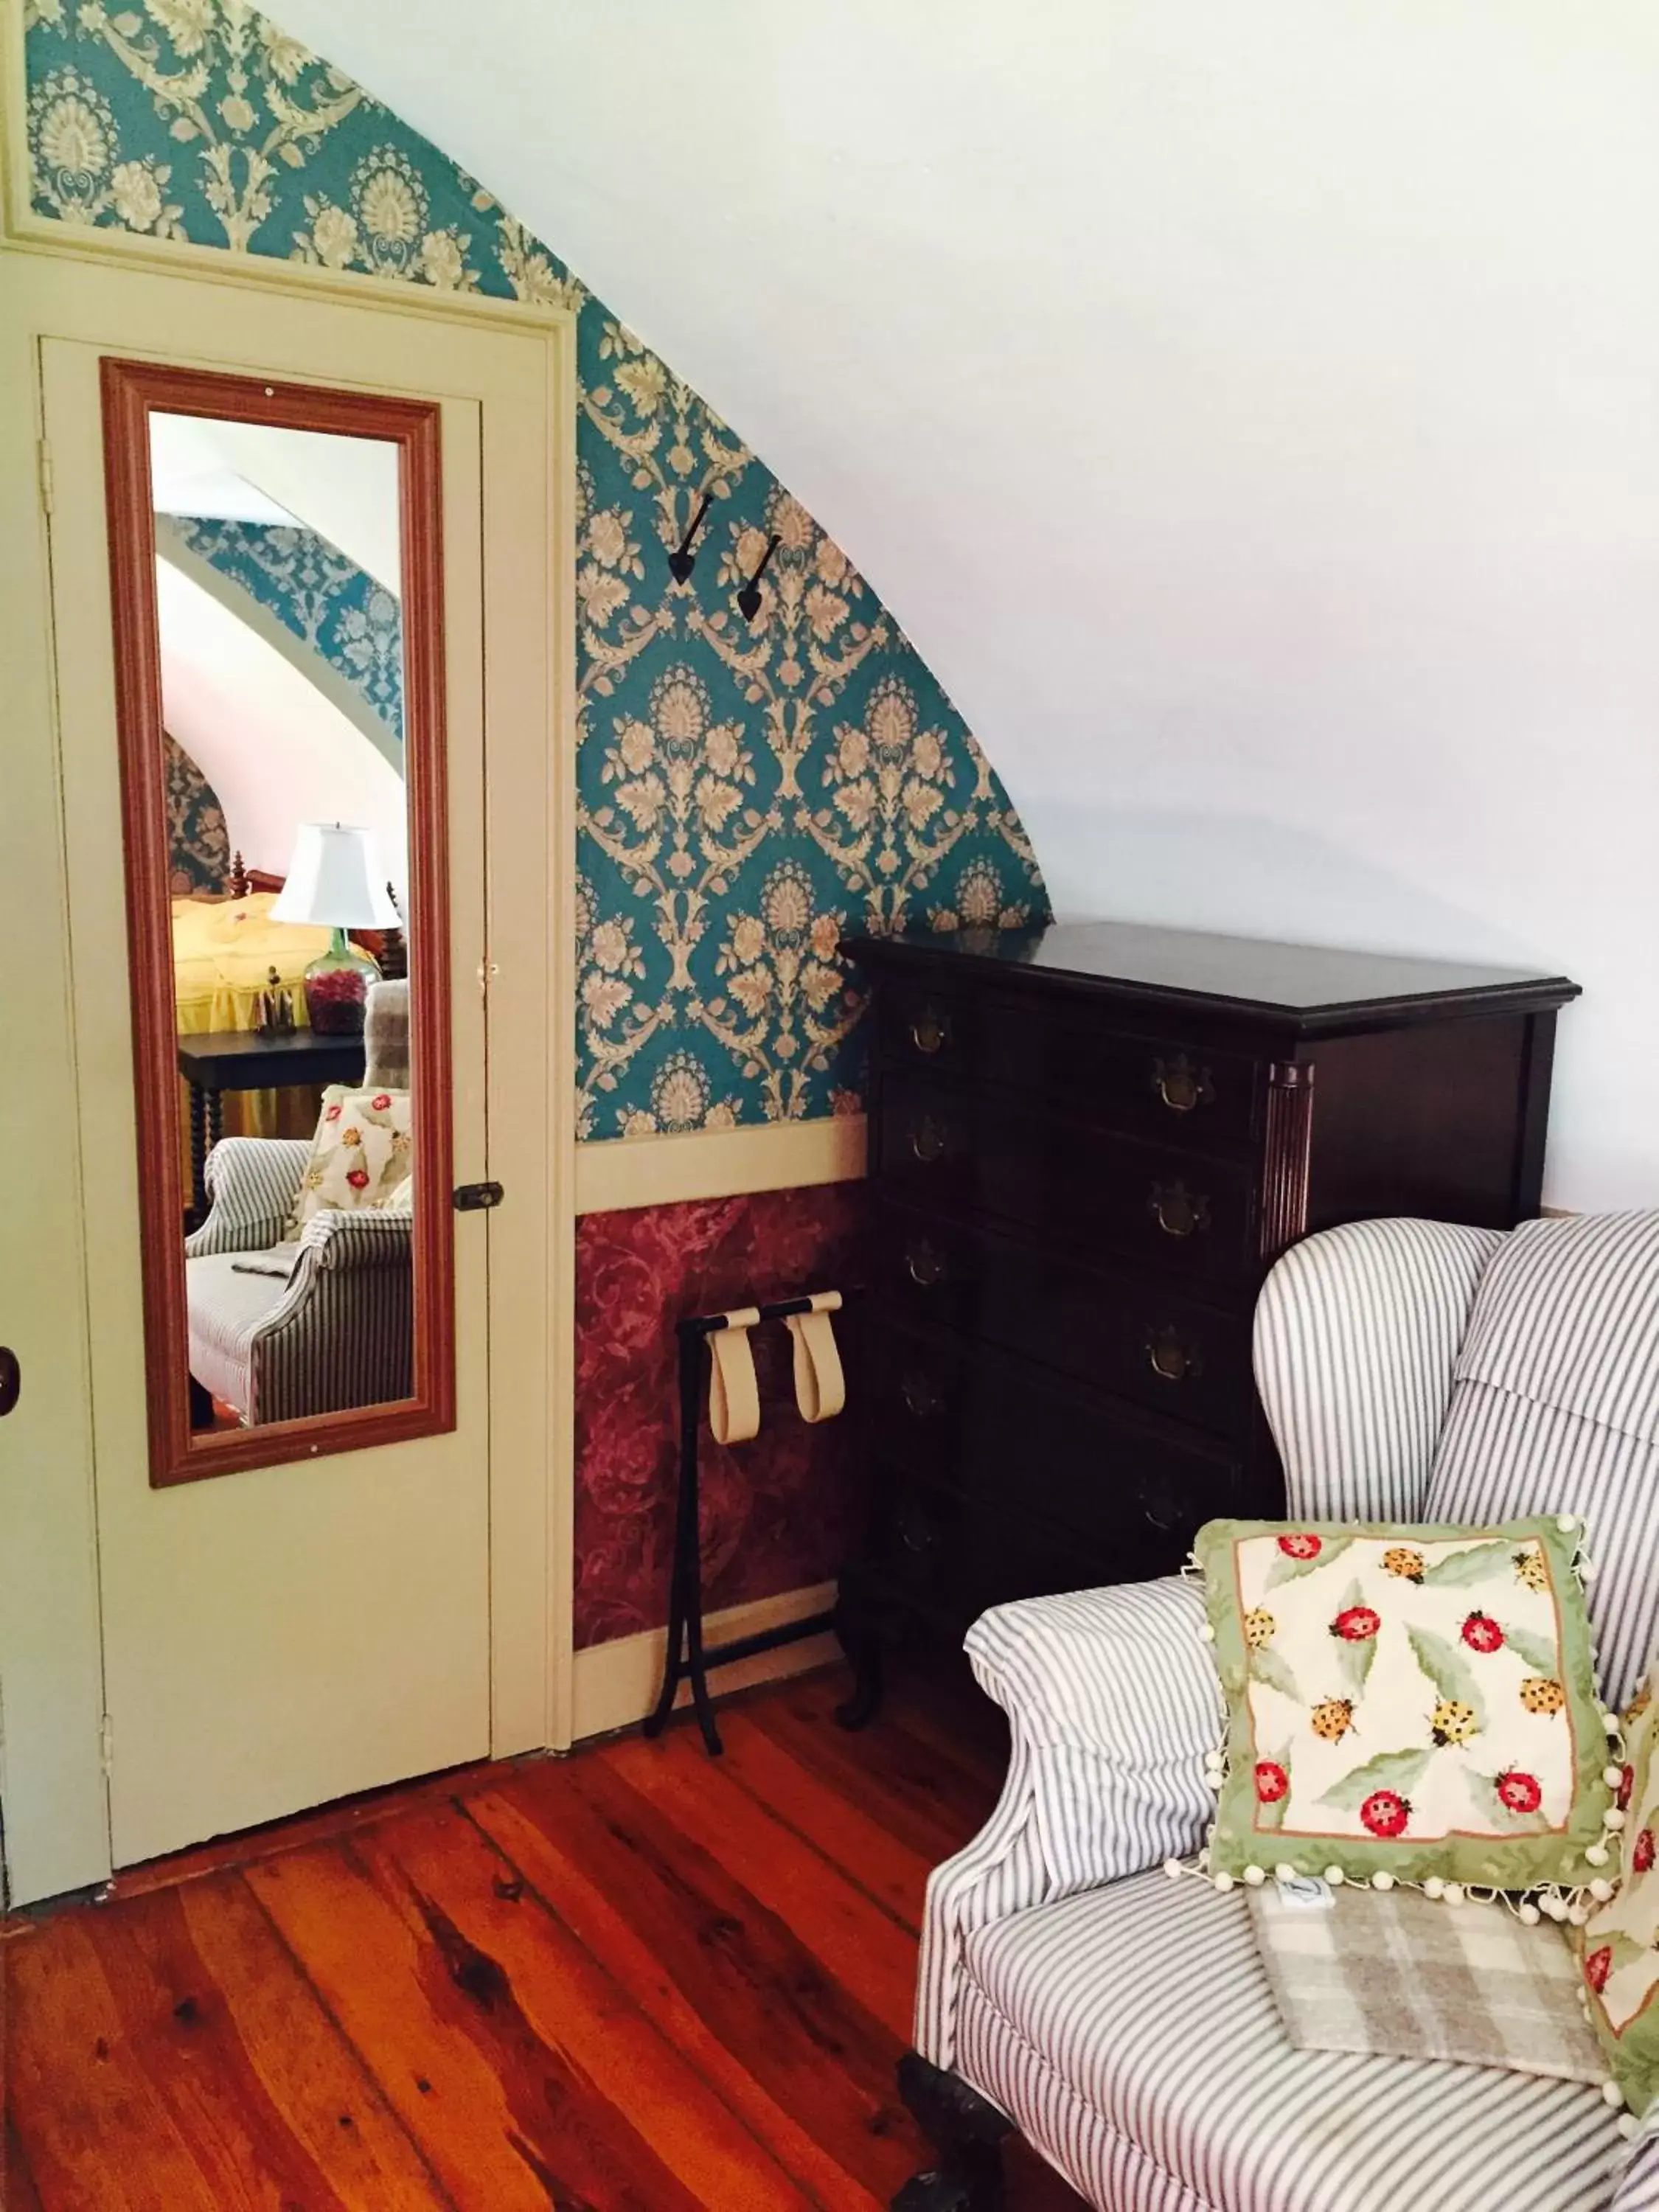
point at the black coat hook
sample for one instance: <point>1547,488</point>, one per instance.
<point>748,598</point>
<point>683,559</point>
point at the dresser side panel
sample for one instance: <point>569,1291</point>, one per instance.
<point>1427,1122</point>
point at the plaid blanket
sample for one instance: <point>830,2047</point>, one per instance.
<point>1394,1973</point>
<point>385,1036</point>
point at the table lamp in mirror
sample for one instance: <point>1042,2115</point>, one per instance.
<point>335,879</point>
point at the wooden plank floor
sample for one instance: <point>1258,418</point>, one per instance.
<point>636,1980</point>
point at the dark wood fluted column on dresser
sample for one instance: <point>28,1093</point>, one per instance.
<point>1288,1154</point>
<point>1089,1142</point>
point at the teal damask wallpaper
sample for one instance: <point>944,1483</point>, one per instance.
<point>199,843</point>
<point>313,590</point>
<point>746,789</point>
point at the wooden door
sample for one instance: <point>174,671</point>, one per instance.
<point>296,1612</point>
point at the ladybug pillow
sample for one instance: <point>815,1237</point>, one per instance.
<point>1619,1947</point>
<point>1407,1703</point>
<point>359,1156</point>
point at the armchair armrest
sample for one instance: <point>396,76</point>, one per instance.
<point>341,1334</point>
<point>1112,1703</point>
<point>370,1238</point>
<point>332,1245</point>
<point>251,1182</point>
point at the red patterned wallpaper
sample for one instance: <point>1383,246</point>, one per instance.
<point>777,1513</point>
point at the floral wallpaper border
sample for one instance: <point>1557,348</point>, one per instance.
<point>746,788</point>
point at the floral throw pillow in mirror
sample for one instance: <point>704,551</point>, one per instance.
<point>360,1156</point>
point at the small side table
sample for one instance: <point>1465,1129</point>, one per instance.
<point>218,1060</point>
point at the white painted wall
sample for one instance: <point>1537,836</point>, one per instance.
<point>1251,411</point>
<point>275,749</point>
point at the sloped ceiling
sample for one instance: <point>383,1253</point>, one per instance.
<point>276,750</point>
<point>1251,412</point>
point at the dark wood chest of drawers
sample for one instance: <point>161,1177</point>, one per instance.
<point>1088,1143</point>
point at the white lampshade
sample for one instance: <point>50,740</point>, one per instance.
<point>336,877</point>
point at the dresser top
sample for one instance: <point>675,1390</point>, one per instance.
<point>1311,987</point>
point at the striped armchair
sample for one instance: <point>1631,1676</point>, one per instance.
<point>1124,2023</point>
<point>279,1331</point>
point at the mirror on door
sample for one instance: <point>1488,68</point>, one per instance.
<point>276,585</point>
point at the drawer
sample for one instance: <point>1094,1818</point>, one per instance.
<point>1166,1092</point>
<point>1006,1436</point>
<point>1144,1339</point>
<point>936,1553</point>
<point>1086,1193</point>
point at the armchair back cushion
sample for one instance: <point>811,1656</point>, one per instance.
<point>251,1181</point>
<point>1555,1408</point>
<point>1357,1337</point>
<point>385,1036</point>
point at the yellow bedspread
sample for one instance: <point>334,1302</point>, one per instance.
<point>223,951</point>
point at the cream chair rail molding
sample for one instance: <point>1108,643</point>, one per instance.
<point>628,1171</point>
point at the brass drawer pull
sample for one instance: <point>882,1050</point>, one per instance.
<point>1163,1508</point>
<point>928,1139</point>
<point>1181,1085</point>
<point>1178,1211</point>
<point>920,1395</point>
<point>1171,1360</point>
<point>930,1032</point>
<point>916,1530</point>
<point>925,1263</point>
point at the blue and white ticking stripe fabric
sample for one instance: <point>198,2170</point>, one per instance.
<point>1556,1409</point>
<point>1357,1333</point>
<point>251,1182</point>
<point>1410,1370</point>
<point>1566,1316</point>
<point>1638,2191</point>
<point>338,1333</point>
<point>1112,1703</point>
<point>343,1334</point>
<point>1133,2035</point>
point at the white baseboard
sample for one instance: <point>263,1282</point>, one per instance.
<point>616,1684</point>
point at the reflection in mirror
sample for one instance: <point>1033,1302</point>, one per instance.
<point>278,609</point>
<point>279,649</point>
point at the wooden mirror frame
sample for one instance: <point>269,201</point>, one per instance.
<point>132,391</point>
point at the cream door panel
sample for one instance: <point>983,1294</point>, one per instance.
<point>279,1636</point>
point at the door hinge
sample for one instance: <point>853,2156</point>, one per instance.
<point>477,1197</point>
<point>43,454</point>
<point>106,1745</point>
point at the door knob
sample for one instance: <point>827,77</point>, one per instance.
<point>11,1380</point>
